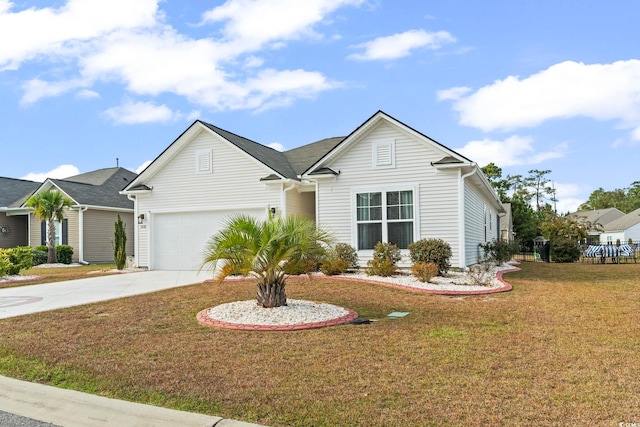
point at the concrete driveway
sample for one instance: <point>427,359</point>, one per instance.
<point>50,296</point>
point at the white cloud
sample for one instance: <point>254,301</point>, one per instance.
<point>565,90</point>
<point>515,150</point>
<point>569,197</point>
<point>143,166</point>
<point>140,112</point>
<point>453,93</point>
<point>50,32</point>
<point>87,94</point>
<point>400,45</point>
<point>128,43</point>
<point>276,146</point>
<point>62,171</point>
<point>251,24</point>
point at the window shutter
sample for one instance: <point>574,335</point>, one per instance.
<point>43,233</point>
<point>65,232</point>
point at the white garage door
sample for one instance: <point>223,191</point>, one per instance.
<point>179,239</point>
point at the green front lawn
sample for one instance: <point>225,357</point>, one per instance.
<point>561,348</point>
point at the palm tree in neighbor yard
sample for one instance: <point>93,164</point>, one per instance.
<point>49,206</point>
<point>262,249</point>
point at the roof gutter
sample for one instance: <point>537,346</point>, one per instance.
<point>81,211</point>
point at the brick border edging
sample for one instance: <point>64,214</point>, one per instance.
<point>204,319</point>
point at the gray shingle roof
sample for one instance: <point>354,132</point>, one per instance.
<point>13,192</point>
<point>629,220</point>
<point>302,158</point>
<point>98,188</point>
<point>274,159</point>
<point>598,216</point>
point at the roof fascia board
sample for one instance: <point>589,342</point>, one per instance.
<point>368,125</point>
<point>167,154</point>
<point>46,185</point>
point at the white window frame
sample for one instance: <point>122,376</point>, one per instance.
<point>376,148</point>
<point>204,161</point>
<point>384,189</point>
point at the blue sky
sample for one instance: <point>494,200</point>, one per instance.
<point>532,84</point>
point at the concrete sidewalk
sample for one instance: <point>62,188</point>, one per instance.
<point>50,296</point>
<point>72,408</point>
<point>69,408</point>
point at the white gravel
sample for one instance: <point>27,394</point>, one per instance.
<point>299,311</point>
<point>452,281</point>
<point>294,313</point>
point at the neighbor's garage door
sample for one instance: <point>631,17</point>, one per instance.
<point>179,239</point>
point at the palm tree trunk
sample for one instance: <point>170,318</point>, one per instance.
<point>51,243</point>
<point>272,295</point>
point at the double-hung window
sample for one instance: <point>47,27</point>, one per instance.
<point>385,216</point>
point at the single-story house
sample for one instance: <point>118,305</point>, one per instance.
<point>385,181</point>
<point>14,225</point>
<point>89,224</point>
<point>597,219</point>
<point>624,228</point>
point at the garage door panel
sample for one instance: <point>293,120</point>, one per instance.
<point>180,239</point>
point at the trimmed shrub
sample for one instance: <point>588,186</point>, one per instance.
<point>384,262</point>
<point>436,251</point>
<point>21,258</point>
<point>39,256</point>
<point>43,248</point>
<point>5,264</point>
<point>348,254</point>
<point>333,266</point>
<point>564,250</point>
<point>342,258</point>
<point>498,251</point>
<point>64,253</point>
<point>424,271</point>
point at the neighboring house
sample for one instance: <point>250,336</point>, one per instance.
<point>14,224</point>
<point>597,219</point>
<point>624,228</point>
<point>383,182</point>
<point>89,224</point>
<point>506,224</point>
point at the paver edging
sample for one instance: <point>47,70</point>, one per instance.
<point>204,319</point>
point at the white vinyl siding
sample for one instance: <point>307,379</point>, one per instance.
<point>301,203</point>
<point>437,189</point>
<point>233,185</point>
<point>481,224</point>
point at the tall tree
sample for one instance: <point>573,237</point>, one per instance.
<point>625,199</point>
<point>494,175</point>
<point>263,249</point>
<point>538,183</point>
<point>49,206</point>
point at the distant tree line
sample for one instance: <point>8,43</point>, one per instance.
<point>533,199</point>
<point>625,199</point>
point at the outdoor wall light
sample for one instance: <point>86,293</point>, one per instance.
<point>140,218</point>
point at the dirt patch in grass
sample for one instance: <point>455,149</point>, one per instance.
<point>562,347</point>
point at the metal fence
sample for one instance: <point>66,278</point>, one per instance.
<point>530,255</point>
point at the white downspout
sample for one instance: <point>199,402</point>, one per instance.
<point>81,212</point>
<point>284,197</point>
<point>461,225</point>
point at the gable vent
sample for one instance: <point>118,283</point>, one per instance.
<point>204,161</point>
<point>384,154</point>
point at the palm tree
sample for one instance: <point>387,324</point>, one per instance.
<point>263,249</point>
<point>49,206</point>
